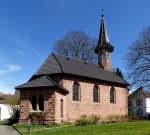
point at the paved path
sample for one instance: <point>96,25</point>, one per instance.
<point>7,130</point>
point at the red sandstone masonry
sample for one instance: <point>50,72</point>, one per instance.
<point>73,109</point>
<point>86,106</point>
<point>26,107</point>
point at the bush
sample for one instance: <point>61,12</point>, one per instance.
<point>37,117</point>
<point>83,120</point>
<point>116,118</point>
<point>94,119</point>
<point>110,118</point>
<point>14,116</point>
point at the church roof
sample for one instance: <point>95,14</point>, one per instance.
<point>56,64</point>
<point>103,41</point>
<point>43,81</point>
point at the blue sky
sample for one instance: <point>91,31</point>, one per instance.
<point>29,28</point>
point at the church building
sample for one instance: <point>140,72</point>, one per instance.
<point>66,88</point>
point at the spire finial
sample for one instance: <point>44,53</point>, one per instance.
<point>102,13</point>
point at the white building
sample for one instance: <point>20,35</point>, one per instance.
<point>139,103</point>
<point>5,112</point>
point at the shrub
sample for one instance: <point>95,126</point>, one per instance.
<point>110,119</point>
<point>37,117</point>
<point>83,120</point>
<point>14,116</point>
<point>94,119</point>
<point>116,118</point>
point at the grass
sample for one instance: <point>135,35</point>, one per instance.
<point>127,128</point>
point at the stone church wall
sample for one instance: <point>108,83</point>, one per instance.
<point>75,109</point>
<point>26,106</point>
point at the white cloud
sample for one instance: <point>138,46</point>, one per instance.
<point>3,71</point>
<point>14,67</point>
<point>10,68</point>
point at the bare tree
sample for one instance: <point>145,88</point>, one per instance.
<point>77,44</point>
<point>139,60</point>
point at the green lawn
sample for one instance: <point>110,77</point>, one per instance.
<point>128,128</point>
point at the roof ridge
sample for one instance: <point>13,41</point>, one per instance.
<point>74,58</point>
<point>54,82</point>
<point>53,54</point>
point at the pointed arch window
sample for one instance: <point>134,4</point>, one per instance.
<point>112,95</point>
<point>76,91</point>
<point>34,103</point>
<point>41,103</point>
<point>96,94</point>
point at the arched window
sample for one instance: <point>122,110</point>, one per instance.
<point>112,95</point>
<point>76,91</point>
<point>41,103</point>
<point>96,94</point>
<point>139,112</point>
<point>34,103</point>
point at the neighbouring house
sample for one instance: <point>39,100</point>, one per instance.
<point>5,109</point>
<point>139,103</point>
<point>67,88</point>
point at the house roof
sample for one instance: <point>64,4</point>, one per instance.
<point>55,64</point>
<point>43,81</point>
<point>141,89</point>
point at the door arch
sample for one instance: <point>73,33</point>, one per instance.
<point>139,112</point>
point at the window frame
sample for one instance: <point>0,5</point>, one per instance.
<point>130,103</point>
<point>114,95</point>
<point>139,102</point>
<point>141,112</point>
<point>98,94</point>
<point>34,103</point>
<point>78,98</point>
<point>41,105</point>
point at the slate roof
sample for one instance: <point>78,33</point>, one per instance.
<point>103,41</point>
<point>55,64</point>
<point>43,81</point>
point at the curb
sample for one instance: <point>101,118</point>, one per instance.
<point>17,130</point>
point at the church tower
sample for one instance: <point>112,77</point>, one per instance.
<point>104,47</point>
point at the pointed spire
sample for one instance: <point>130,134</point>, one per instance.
<point>103,41</point>
<point>103,32</point>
